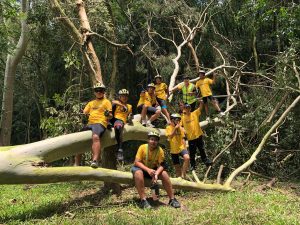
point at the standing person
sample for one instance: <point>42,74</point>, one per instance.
<point>189,92</point>
<point>147,105</point>
<point>99,111</point>
<point>204,85</point>
<point>175,134</point>
<point>161,92</point>
<point>150,163</point>
<point>194,133</point>
<point>121,113</point>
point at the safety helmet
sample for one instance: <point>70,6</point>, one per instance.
<point>202,71</point>
<point>186,77</point>
<point>123,92</point>
<point>153,134</point>
<point>151,85</point>
<point>99,85</point>
<point>158,76</point>
<point>175,116</point>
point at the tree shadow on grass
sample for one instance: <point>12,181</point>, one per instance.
<point>93,200</point>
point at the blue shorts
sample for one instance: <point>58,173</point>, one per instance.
<point>150,110</point>
<point>162,103</point>
<point>97,128</point>
<point>175,157</point>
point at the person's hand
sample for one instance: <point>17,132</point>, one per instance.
<point>151,172</point>
<point>177,126</point>
<point>154,179</point>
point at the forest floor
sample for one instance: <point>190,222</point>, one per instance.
<point>85,203</point>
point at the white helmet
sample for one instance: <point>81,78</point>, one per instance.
<point>158,76</point>
<point>175,116</point>
<point>99,85</point>
<point>123,92</point>
<point>153,134</point>
<point>151,85</point>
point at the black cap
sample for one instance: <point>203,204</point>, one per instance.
<point>185,77</point>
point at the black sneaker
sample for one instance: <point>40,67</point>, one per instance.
<point>208,162</point>
<point>174,203</point>
<point>94,164</point>
<point>145,204</point>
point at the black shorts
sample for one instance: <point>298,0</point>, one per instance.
<point>175,157</point>
<point>136,168</point>
<point>210,97</point>
<point>162,103</point>
<point>97,128</point>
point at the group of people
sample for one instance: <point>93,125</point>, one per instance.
<point>150,161</point>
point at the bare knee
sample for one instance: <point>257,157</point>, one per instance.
<point>95,138</point>
<point>186,158</point>
<point>158,112</point>
<point>164,176</point>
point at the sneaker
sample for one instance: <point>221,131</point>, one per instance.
<point>149,124</point>
<point>145,204</point>
<point>120,156</point>
<point>208,162</point>
<point>144,123</point>
<point>94,164</point>
<point>174,203</point>
<point>207,118</point>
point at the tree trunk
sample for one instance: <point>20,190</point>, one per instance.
<point>109,161</point>
<point>255,56</point>
<point>10,72</point>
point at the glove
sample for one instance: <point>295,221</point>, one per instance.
<point>106,113</point>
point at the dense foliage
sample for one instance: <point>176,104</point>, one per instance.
<point>260,36</point>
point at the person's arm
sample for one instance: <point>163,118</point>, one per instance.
<point>174,89</point>
<point>213,79</point>
<point>141,165</point>
<point>116,102</point>
<point>172,134</point>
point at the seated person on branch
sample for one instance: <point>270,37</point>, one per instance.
<point>161,92</point>
<point>190,122</point>
<point>148,105</point>
<point>100,112</point>
<point>122,113</point>
<point>175,134</point>
<point>189,92</point>
<point>150,163</point>
<point>204,85</point>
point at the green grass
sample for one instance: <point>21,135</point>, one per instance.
<point>85,203</point>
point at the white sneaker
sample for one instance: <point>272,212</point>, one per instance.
<point>207,118</point>
<point>144,123</point>
<point>149,124</point>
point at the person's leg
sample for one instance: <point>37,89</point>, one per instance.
<point>166,113</point>
<point>164,177</point>
<point>144,114</point>
<point>192,150</point>
<point>98,131</point>
<point>118,125</point>
<point>155,115</point>
<point>77,159</point>
<point>186,163</point>
<point>215,104</point>
<point>205,106</point>
<point>140,183</point>
<point>200,146</point>
<point>176,163</point>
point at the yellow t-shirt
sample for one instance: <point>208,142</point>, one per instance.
<point>204,86</point>
<point>96,109</point>
<point>120,114</point>
<point>177,142</point>
<point>160,90</point>
<point>191,124</point>
<point>147,99</point>
<point>154,159</point>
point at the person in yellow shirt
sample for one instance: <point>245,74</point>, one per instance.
<point>176,134</point>
<point>189,92</point>
<point>148,105</point>
<point>99,113</point>
<point>161,92</point>
<point>121,113</point>
<point>150,163</point>
<point>204,86</point>
<point>190,122</point>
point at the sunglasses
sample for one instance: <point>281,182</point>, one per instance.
<point>99,90</point>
